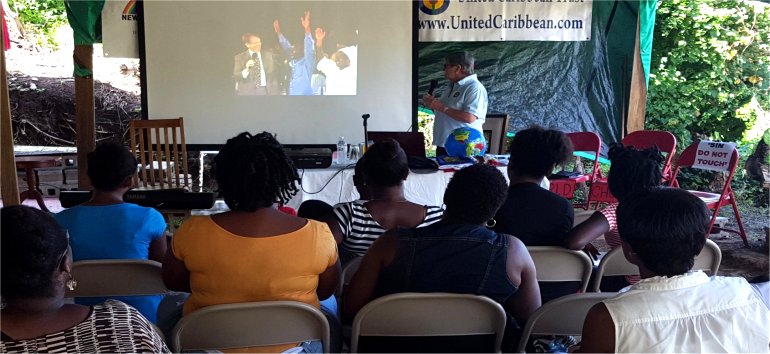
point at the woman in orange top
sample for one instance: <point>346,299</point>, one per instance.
<point>252,252</point>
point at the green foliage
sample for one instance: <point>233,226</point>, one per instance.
<point>709,60</point>
<point>41,18</point>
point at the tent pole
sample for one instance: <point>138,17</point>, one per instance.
<point>9,188</point>
<point>637,102</point>
<point>84,112</point>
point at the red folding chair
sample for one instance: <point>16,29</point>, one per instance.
<point>640,139</point>
<point>586,142</point>
<point>715,201</point>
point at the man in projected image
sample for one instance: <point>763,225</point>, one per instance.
<point>464,104</point>
<point>253,68</point>
<point>340,68</point>
<point>302,59</point>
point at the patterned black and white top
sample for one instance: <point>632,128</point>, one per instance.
<point>111,327</point>
<point>360,230</point>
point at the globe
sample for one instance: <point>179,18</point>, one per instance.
<point>465,142</point>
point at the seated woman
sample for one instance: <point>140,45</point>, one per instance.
<point>357,224</point>
<point>457,254</point>
<point>632,170</point>
<point>536,216</point>
<point>107,228</point>
<point>252,252</point>
<point>674,309</point>
<point>36,265</point>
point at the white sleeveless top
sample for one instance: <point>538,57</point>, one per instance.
<point>690,313</point>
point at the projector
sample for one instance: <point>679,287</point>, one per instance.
<point>307,158</point>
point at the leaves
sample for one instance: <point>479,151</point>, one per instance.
<point>41,18</point>
<point>709,60</point>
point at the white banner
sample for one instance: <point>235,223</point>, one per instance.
<point>504,20</point>
<point>713,156</point>
<point>120,38</point>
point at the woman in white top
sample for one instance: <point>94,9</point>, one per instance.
<point>356,225</point>
<point>673,309</point>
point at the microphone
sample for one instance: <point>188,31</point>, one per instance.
<point>433,84</point>
<point>365,116</point>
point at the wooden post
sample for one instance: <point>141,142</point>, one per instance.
<point>84,113</point>
<point>637,102</point>
<point>9,188</point>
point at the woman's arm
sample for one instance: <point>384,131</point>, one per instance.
<point>158,248</point>
<point>328,281</point>
<point>175,273</point>
<point>598,331</point>
<point>361,288</point>
<point>587,231</point>
<point>521,271</point>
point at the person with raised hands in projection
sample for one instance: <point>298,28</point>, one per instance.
<point>253,68</point>
<point>301,61</point>
<point>340,68</point>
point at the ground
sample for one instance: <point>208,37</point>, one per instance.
<point>42,99</point>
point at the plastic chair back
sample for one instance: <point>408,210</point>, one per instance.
<point>563,316</point>
<point>429,314</point>
<point>557,264</point>
<point>250,324</point>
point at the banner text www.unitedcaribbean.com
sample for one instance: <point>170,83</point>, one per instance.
<point>497,21</point>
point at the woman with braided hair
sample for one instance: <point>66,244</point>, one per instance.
<point>252,252</point>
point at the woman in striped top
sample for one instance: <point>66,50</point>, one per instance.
<point>632,170</point>
<point>356,225</point>
<point>36,265</point>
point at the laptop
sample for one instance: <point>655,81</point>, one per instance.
<point>413,143</point>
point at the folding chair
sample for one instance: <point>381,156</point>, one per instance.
<point>430,314</point>
<point>640,139</point>
<point>347,274</point>
<point>162,158</point>
<point>118,277</point>
<point>562,317</point>
<point>588,142</point>
<point>615,263</point>
<point>558,264</point>
<point>250,324</point>
<point>714,201</point>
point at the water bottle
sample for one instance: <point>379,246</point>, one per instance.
<point>342,151</point>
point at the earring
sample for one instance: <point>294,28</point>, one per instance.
<point>71,283</point>
<point>491,223</point>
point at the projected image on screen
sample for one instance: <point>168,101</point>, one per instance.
<point>307,59</point>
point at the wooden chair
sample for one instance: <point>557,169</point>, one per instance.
<point>562,317</point>
<point>162,153</point>
<point>250,324</point>
<point>714,201</point>
<point>615,263</point>
<point>429,315</point>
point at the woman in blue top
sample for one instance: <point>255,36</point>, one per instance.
<point>107,228</point>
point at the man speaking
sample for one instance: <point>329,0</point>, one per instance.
<point>464,104</point>
<point>252,68</point>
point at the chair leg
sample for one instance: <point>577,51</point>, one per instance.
<point>738,219</point>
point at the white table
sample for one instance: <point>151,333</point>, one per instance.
<point>334,186</point>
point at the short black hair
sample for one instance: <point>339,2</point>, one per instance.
<point>535,151</point>
<point>109,165</point>
<point>633,170</point>
<point>253,171</point>
<point>32,245</point>
<point>665,227</point>
<point>385,164</point>
<point>465,59</point>
<point>474,194</point>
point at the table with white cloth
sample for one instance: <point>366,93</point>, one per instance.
<point>335,185</point>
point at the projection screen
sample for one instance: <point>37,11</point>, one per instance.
<point>201,63</point>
